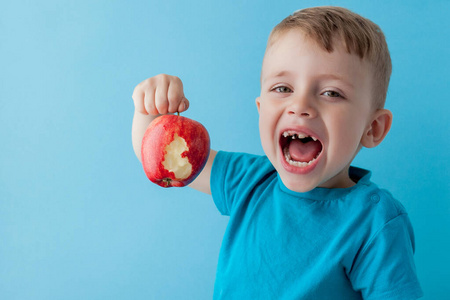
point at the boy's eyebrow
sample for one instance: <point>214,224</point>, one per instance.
<point>279,74</point>
<point>337,77</point>
<point>320,76</point>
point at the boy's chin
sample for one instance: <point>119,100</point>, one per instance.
<point>306,183</point>
<point>299,186</point>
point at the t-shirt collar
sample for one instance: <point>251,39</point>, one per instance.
<point>361,176</point>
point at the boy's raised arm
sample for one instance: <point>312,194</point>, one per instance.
<point>159,95</point>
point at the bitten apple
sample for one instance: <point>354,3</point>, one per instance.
<point>174,150</point>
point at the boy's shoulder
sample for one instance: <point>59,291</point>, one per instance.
<point>243,165</point>
<point>236,176</point>
<point>241,158</point>
<point>378,204</point>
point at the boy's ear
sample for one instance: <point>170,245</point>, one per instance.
<point>258,103</point>
<point>377,129</point>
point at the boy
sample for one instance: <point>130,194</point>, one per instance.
<point>304,224</point>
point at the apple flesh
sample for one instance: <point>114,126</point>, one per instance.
<point>174,150</point>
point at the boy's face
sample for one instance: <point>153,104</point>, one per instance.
<point>314,109</point>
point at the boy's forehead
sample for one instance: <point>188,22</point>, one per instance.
<point>285,43</point>
<point>296,39</point>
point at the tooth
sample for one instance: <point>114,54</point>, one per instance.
<point>293,137</point>
<point>285,134</point>
<point>314,139</point>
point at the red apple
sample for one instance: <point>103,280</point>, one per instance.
<point>174,150</point>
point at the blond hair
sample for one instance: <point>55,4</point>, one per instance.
<point>359,35</point>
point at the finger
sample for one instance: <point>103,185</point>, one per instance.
<point>175,95</point>
<point>138,99</point>
<point>161,101</point>
<point>184,105</point>
<point>149,102</point>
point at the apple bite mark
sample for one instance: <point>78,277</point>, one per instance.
<point>300,149</point>
<point>175,161</point>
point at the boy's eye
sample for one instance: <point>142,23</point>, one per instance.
<point>282,89</point>
<point>332,94</point>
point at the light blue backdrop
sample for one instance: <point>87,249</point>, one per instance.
<point>78,217</point>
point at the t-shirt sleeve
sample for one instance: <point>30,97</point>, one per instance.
<point>233,175</point>
<point>385,267</point>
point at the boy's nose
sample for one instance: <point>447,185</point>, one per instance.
<point>305,113</point>
<point>302,108</point>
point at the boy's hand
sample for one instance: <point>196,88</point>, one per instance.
<point>153,97</point>
<point>160,95</point>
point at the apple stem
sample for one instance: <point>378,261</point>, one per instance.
<point>178,113</point>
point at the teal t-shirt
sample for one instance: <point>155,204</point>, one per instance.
<point>353,243</point>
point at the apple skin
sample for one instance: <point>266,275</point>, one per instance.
<point>159,134</point>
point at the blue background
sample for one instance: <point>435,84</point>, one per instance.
<point>78,217</point>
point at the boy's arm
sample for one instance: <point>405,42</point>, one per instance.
<point>159,95</point>
<point>201,183</point>
<point>140,124</point>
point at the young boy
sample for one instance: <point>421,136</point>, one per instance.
<point>304,224</point>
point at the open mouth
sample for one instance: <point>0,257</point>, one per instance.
<point>299,149</point>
